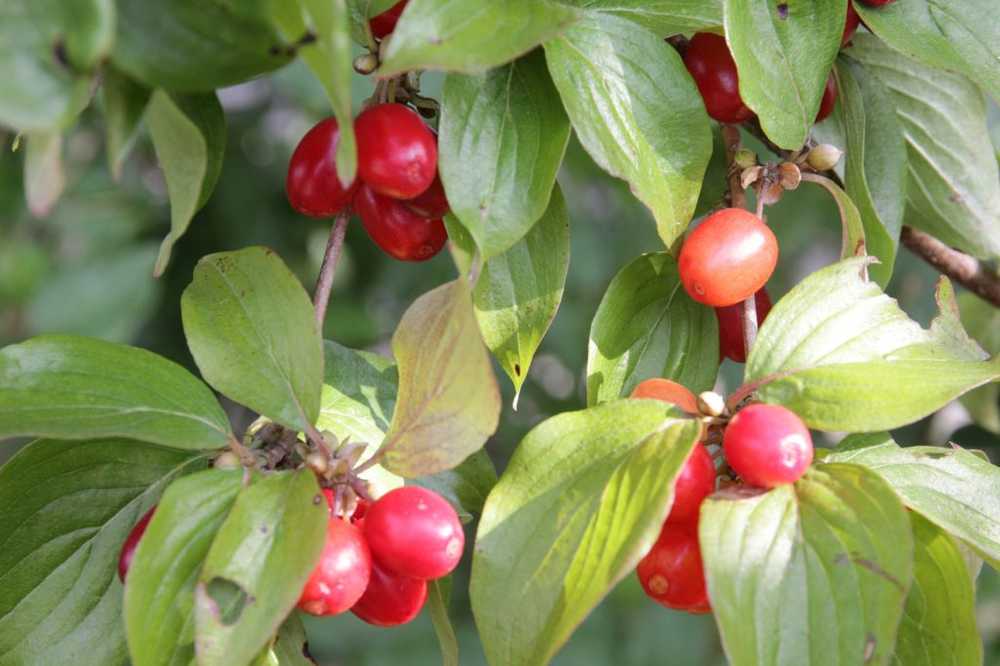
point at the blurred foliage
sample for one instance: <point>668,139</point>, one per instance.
<point>87,269</point>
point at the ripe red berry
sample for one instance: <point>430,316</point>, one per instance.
<point>390,599</point>
<point>695,482</point>
<point>433,203</point>
<point>728,257</point>
<point>767,445</point>
<point>397,153</point>
<point>672,573</point>
<point>414,532</point>
<point>385,23</point>
<point>877,3</point>
<point>667,391</point>
<point>396,229</point>
<point>131,543</point>
<point>829,99</point>
<point>312,184</point>
<point>711,65</point>
<point>342,573</point>
<point>851,24</point>
<point>731,343</point>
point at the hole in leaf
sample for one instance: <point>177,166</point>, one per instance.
<point>782,11</point>
<point>517,369</point>
<point>230,599</point>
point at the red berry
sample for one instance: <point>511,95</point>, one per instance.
<point>695,482</point>
<point>390,599</point>
<point>385,23</point>
<point>667,391</point>
<point>850,25</point>
<point>397,153</point>
<point>414,532</point>
<point>877,3</point>
<point>728,257</point>
<point>672,573</point>
<point>432,204</point>
<point>131,543</point>
<point>396,229</point>
<point>312,184</point>
<point>711,65</point>
<point>342,573</point>
<point>767,445</point>
<point>829,99</point>
<point>731,343</point>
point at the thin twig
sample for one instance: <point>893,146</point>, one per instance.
<point>324,283</point>
<point>737,198</point>
<point>960,267</point>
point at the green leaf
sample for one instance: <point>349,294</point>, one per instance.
<point>79,388</point>
<point>853,238</point>
<point>939,620</point>
<point>715,185</point>
<point>582,500</point>
<point>502,141</point>
<point>159,596</point>
<point>470,35</point>
<point>982,320</point>
<point>250,327</point>
<point>647,326</point>
<point>953,189</point>
<point>664,17</point>
<point>449,402</point>
<point>125,101</point>
<point>44,178</point>
<point>438,596</point>
<point>359,394</point>
<point>257,566</point>
<point>814,573</point>
<point>50,49</point>
<point>518,292</point>
<point>461,245</point>
<point>953,488</point>
<point>843,356</point>
<point>466,486</point>
<point>68,506</point>
<point>875,172</point>
<point>962,38</point>
<point>637,112</point>
<point>189,135</point>
<point>329,57</point>
<point>784,60</point>
<point>291,648</point>
<point>196,45</point>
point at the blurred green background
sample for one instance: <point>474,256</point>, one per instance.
<point>87,267</point>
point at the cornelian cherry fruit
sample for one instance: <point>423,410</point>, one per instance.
<point>414,532</point>
<point>397,153</point>
<point>850,24</point>
<point>731,342</point>
<point>767,445</point>
<point>667,391</point>
<point>711,65</point>
<point>385,23</point>
<point>728,257</point>
<point>695,482</point>
<point>433,203</point>
<point>877,3</point>
<point>672,573</point>
<point>829,99</point>
<point>132,542</point>
<point>342,573</point>
<point>312,184</point>
<point>390,599</point>
<point>396,229</point>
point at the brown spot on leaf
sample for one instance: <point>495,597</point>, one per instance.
<point>783,11</point>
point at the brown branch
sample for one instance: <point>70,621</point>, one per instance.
<point>324,283</point>
<point>736,197</point>
<point>960,267</point>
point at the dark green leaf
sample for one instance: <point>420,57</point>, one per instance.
<point>814,573</point>
<point>125,101</point>
<point>784,57</point>
<point>448,403</point>
<point>664,17</point>
<point>647,326</point>
<point>67,508</point>
<point>291,648</point>
<point>582,500</point>
<point>843,356</point>
<point>159,596</point>
<point>518,292</point>
<point>637,112</point>
<point>471,35</point>
<point>44,178</point>
<point>359,394</point>
<point>502,141</point>
<point>982,320</point>
<point>466,486</point>
<point>853,237</point>
<point>189,135</point>
<point>438,597</point>
<point>461,245</point>
<point>196,45</point>
<point>79,388</point>
<point>716,182</point>
<point>257,566</point>
<point>251,329</point>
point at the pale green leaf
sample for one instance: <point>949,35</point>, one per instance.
<point>125,102</point>
<point>359,394</point>
<point>664,17</point>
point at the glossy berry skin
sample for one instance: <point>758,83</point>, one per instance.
<point>877,3</point>
<point>396,229</point>
<point>767,445</point>
<point>131,543</point>
<point>433,203</point>
<point>728,257</point>
<point>667,391</point>
<point>414,532</point>
<point>711,65</point>
<point>672,573</point>
<point>695,482</point>
<point>829,99</point>
<point>731,343</point>
<point>385,23</point>
<point>342,573</point>
<point>390,599</point>
<point>312,184</point>
<point>397,153</point>
<point>850,25</point>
